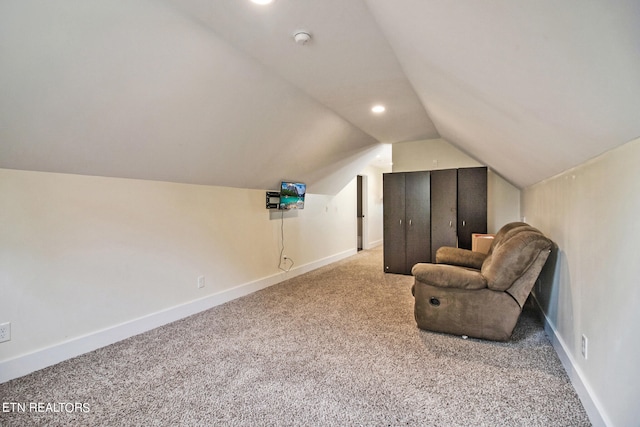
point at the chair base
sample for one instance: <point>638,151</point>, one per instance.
<point>483,313</point>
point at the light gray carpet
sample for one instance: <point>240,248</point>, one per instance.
<point>337,346</point>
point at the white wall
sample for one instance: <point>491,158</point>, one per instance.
<point>503,202</point>
<point>503,199</point>
<point>80,255</point>
<point>373,206</point>
<point>591,212</point>
<point>429,154</point>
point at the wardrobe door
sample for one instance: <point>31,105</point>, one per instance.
<point>444,217</point>
<point>417,218</point>
<point>394,241</point>
<point>472,204</point>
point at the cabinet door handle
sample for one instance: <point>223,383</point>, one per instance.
<point>409,223</point>
<point>400,222</point>
<point>464,223</point>
<point>450,224</point>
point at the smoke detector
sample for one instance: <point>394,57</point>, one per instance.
<point>302,37</point>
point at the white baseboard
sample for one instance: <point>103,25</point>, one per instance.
<point>39,359</point>
<point>374,244</point>
<point>591,404</point>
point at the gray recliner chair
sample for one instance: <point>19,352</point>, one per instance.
<point>480,295</point>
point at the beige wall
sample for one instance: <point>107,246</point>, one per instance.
<point>503,199</point>
<point>81,254</point>
<point>591,212</point>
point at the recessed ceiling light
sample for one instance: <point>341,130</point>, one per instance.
<point>378,109</point>
<point>261,1</point>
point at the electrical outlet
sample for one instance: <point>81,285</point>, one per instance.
<point>5,332</point>
<point>585,346</point>
<point>200,282</point>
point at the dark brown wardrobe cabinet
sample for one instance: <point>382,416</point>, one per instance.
<point>472,204</point>
<point>450,205</point>
<point>406,220</point>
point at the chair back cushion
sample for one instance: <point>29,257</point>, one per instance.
<point>503,231</point>
<point>513,256</point>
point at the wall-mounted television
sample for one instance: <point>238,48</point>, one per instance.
<point>292,195</point>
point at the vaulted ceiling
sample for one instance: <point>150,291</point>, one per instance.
<point>217,91</point>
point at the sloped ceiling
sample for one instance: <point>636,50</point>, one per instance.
<point>217,92</point>
<point>530,88</point>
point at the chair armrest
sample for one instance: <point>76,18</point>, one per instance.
<point>448,276</point>
<point>461,257</point>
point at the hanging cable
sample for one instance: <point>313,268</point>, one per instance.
<point>285,269</point>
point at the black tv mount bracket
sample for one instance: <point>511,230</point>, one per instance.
<point>273,200</point>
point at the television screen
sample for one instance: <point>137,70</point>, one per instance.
<point>292,195</point>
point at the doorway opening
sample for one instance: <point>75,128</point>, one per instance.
<point>360,211</point>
